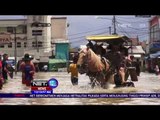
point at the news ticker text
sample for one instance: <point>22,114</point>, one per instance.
<point>81,95</point>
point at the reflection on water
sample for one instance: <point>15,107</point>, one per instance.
<point>147,83</point>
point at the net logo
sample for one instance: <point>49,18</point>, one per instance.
<point>53,83</point>
<point>43,87</point>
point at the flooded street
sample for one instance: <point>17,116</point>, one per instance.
<point>148,83</point>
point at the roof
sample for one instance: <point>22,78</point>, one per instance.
<point>154,47</point>
<point>54,61</point>
<point>137,49</point>
<point>108,38</point>
<point>13,19</point>
<point>155,55</point>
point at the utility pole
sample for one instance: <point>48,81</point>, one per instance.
<point>15,52</point>
<point>110,30</point>
<point>114,25</point>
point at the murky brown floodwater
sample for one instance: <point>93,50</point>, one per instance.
<point>148,83</point>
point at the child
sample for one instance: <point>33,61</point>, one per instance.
<point>28,70</point>
<point>74,72</point>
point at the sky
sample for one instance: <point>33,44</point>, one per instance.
<point>82,26</point>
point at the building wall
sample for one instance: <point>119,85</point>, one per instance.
<point>154,29</point>
<point>45,38</point>
<point>57,32</point>
<point>21,37</point>
<point>58,28</point>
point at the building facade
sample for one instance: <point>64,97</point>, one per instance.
<point>41,45</point>
<point>7,36</point>
<point>154,42</point>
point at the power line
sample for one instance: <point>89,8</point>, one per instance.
<point>124,31</point>
<point>142,29</point>
<point>85,36</point>
<point>131,17</point>
<point>132,22</point>
<point>89,31</point>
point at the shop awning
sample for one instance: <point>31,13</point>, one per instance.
<point>137,50</point>
<point>154,47</point>
<point>55,61</point>
<point>155,55</point>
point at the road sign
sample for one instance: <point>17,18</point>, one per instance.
<point>36,32</point>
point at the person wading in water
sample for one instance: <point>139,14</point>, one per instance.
<point>28,70</point>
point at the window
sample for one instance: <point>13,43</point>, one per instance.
<point>2,46</point>
<point>18,44</point>
<point>21,29</point>
<point>3,29</point>
<point>157,34</point>
<point>40,44</point>
<point>10,45</point>
<point>25,29</point>
<point>33,44</point>
<point>25,44</point>
<point>10,29</point>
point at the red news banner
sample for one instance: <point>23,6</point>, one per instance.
<point>41,88</point>
<point>80,95</point>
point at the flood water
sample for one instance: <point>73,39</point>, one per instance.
<point>148,83</point>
